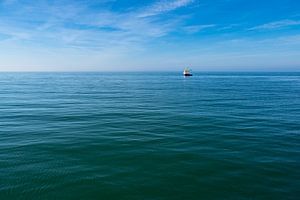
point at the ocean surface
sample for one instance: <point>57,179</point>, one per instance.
<point>156,136</point>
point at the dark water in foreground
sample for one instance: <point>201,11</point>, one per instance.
<point>149,136</point>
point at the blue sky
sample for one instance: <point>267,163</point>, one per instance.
<point>137,35</point>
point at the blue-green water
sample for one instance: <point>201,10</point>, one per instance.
<point>149,136</point>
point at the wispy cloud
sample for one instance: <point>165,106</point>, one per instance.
<point>197,28</point>
<point>276,25</point>
<point>78,25</point>
<point>164,6</point>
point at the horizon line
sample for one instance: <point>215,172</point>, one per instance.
<point>151,71</point>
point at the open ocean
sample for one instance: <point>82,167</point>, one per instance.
<point>150,136</point>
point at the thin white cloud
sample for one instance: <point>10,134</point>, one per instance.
<point>197,28</point>
<point>163,7</point>
<point>75,25</point>
<point>276,25</point>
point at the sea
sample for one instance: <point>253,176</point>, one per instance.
<point>150,135</point>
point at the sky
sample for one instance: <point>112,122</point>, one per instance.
<point>144,35</point>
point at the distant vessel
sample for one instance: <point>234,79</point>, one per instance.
<point>187,72</point>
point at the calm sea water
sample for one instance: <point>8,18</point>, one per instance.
<point>149,136</point>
